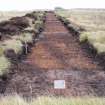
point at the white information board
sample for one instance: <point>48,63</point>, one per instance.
<point>59,84</point>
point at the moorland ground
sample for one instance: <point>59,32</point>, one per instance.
<point>56,54</point>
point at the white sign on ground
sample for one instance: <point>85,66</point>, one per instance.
<point>59,84</point>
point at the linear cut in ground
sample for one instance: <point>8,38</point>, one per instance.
<point>57,55</point>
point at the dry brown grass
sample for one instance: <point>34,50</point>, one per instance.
<point>7,15</point>
<point>17,100</point>
<point>93,22</point>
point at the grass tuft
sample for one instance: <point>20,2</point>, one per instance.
<point>97,39</point>
<point>38,24</point>
<point>1,51</point>
<point>16,45</point>
<point>17,100</point>
<point>91,22</point>
<point>25,37</point>
<point>99,47</point>
<point>12,100</point>
<point>4,65</point>
<point>84,36</point>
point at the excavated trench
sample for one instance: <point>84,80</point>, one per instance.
<point>56,56</point>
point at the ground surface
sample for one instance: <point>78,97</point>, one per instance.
<point>57,55</point>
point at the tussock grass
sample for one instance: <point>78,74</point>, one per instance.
<point>70,24</point>
<point>93,23</point>
<point>4,65</point>
<point>84,36</point>
<point>97,39</point>
<point>30,28</point>
<point>91,20</point>
<point>16,45</point>
<point>74,26</point>
<point>99,47</point>
<point>65,20</point>
<point>1,51</point>
<point>68,101</point>
<point>31,21</point>
<point>40,15</point>
<point>16,100</point>
<point>25,37</point>
<point>12,100</point>
<point>98,36</point>
<point>38,24</point>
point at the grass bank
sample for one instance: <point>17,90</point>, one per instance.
<point>17,100</point>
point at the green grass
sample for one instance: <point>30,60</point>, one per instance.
<point>38,24</point>
<point>99,47</point>
<point>16,100</point>
<point>98,36</point>
<point>4,65</point>
<point>25,37</point>
<point>97,39</point>
<point>16,45</point>
<point>31,21</point>
<point>1,51</point>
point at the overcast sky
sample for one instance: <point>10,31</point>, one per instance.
<point>49,4</point>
